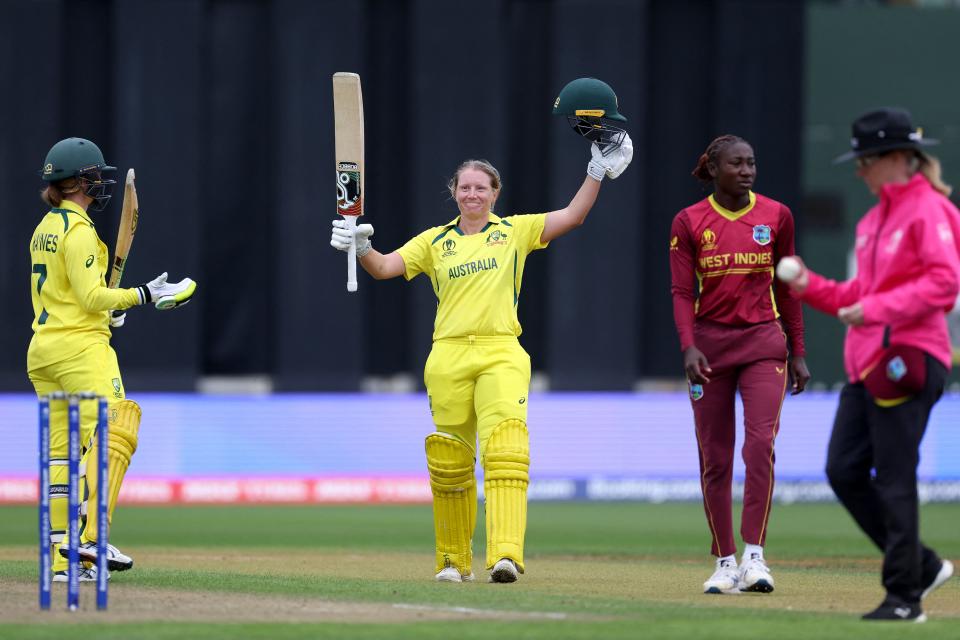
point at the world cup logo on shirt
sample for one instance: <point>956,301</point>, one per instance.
<point>449,248</point>
<point>708,240</point>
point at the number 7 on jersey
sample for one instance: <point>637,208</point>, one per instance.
<point>348,135</point>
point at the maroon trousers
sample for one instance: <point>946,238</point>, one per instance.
<point>753,361</point>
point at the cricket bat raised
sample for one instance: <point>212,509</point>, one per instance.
<point>128,227</point>
<point>348,134</point>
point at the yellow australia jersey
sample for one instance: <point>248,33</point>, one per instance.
<point>71,302</point>
<point>476,278</point>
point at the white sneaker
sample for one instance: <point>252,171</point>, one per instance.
<point>86,574</point>
<point>946,571</point>
<point>116,561</point>
<point>504,571</point>
<point>452,574</point>
<point>724,579</point>
<point>755,576</point>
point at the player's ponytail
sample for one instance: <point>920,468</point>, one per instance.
<point>54,193</point>
<point>929,166</point>
<point>702,172</point>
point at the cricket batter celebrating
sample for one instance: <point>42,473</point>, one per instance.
<point>477,375</point>
<point>70,350</point>
<point>732,339</point>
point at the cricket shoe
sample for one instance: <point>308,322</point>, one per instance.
<point>504,571</point>
<point>897,612</point>
<point>452,574</point>
<point>84,574</point>
<point>946,571</point>
<point>725,579</point>
<point>116,561</point>
<point>755,576</point>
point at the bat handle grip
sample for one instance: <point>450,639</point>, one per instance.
<point>352,254</point>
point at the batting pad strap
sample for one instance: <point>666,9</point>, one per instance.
<point>59,491</point>
<point>450,463</point>
<point>506,465</point>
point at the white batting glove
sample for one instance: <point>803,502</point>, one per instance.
<point>620,158</point>
<point>117,318</point>
<point>340,238</point>
<point>167,295</point>
<point>613,164</point>
<point>596,168</point>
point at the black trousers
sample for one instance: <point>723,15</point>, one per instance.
<point>886,441</point>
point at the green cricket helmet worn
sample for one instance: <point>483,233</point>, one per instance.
<point>590,105</point>
<point>81,159</point>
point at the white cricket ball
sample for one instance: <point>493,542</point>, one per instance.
<point>789,269</point>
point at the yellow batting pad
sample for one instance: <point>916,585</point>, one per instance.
<point>59,476</point>
<point>506,467</point>
<point>124,428</point>
<point>450,462</point>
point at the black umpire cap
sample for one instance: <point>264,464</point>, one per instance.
<point>883,130</point>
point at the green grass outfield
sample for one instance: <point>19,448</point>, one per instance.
<point>615,570</point>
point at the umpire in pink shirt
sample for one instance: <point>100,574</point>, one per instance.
<point>897,349</point>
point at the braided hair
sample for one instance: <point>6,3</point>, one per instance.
<point>701,172</point>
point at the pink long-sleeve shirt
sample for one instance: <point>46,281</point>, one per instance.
<point>908,276</point>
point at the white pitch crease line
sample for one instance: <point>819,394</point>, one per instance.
<point>485,612</point>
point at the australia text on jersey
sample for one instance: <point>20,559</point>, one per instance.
<point>470,268</point>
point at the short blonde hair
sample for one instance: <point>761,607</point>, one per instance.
<point>479,165</point>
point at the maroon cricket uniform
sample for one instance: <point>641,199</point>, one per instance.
<point>736,322</point>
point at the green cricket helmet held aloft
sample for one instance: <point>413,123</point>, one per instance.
<point>81,159</point>
<point>590,105</point>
